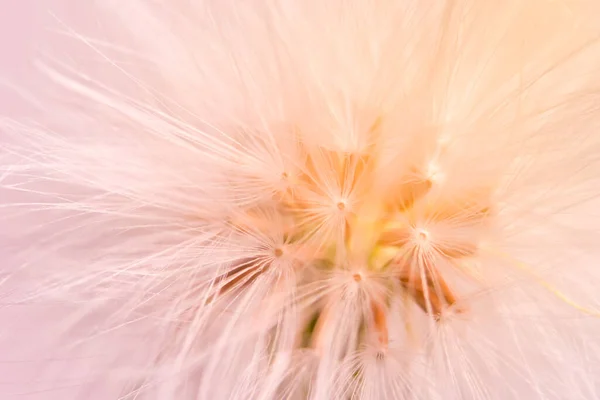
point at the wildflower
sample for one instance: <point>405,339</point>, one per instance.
<point>321,200</point>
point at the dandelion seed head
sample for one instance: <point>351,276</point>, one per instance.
<point>309,201</point>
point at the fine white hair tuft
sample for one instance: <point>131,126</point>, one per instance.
<point>304,199</point>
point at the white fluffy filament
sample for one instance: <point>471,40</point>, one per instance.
<point>292,199</point>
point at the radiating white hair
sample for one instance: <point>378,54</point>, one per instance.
<point>305,199</point>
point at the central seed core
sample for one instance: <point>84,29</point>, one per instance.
<point>396,231</point>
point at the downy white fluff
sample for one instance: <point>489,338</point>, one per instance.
<point>320,199</point>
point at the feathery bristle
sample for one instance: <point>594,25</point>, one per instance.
<point>305,200</point>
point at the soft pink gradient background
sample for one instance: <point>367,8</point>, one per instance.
<point>20,29</point>
<point>32,366</point>
<point>20,26</point>
<point>25,32</point>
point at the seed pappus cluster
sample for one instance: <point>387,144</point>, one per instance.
<point>373,242</point>
<point>320,199</point>
<point>371,235</point>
